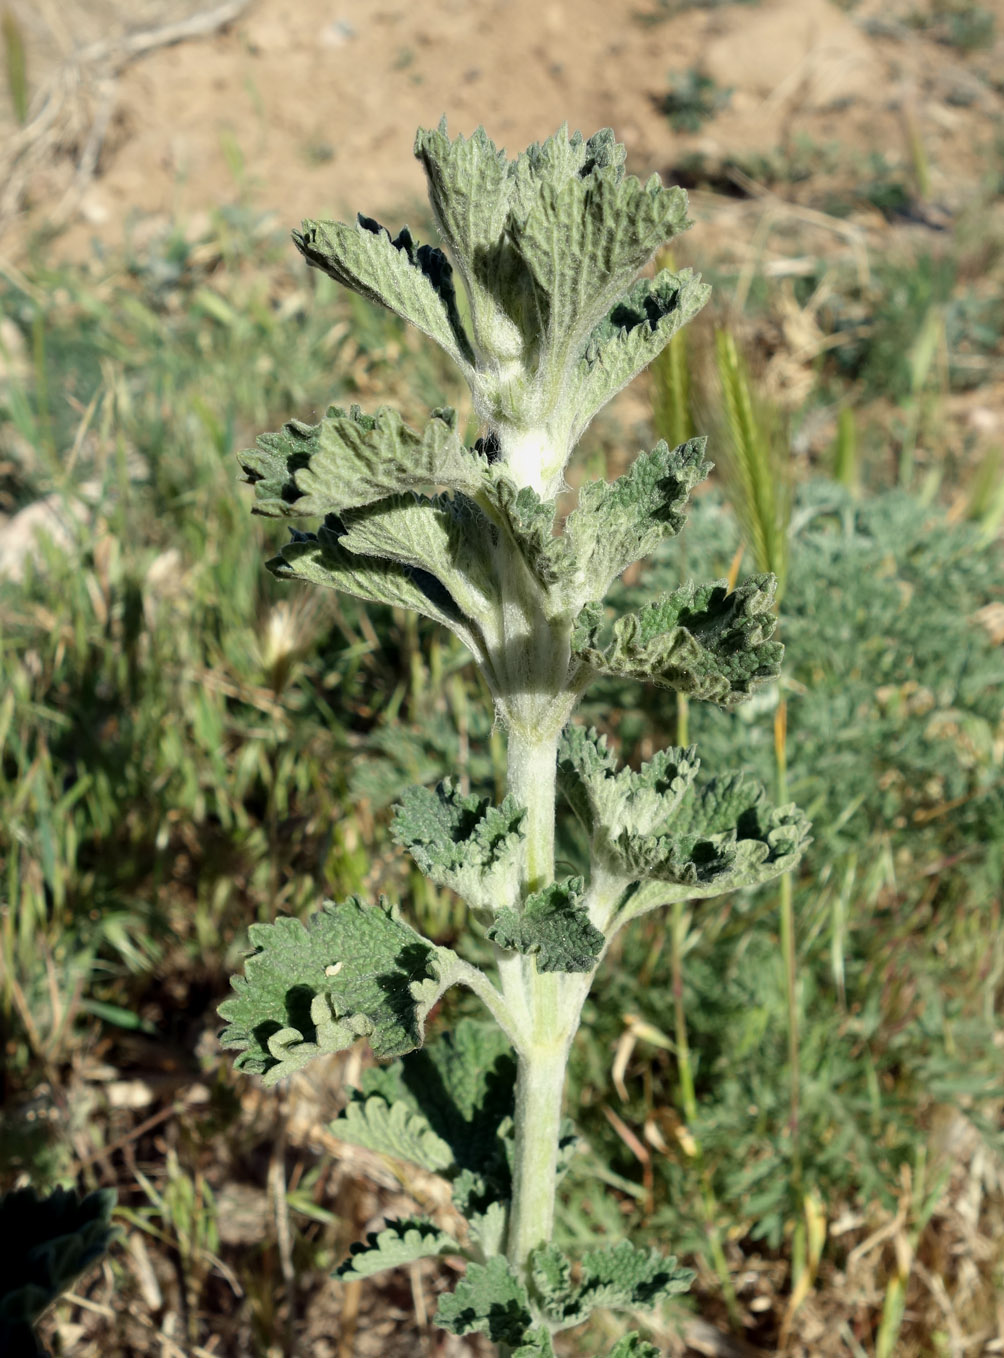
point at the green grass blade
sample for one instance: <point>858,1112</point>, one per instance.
<point>755,462</point>
<point>15,60</point>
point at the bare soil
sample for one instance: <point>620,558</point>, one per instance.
<point>310,109</point>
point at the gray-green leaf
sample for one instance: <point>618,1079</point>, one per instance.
<point>348,460</point>
<point>491,1300</point>
<point>702,640</point>
<point>401,1242</point>
<point>536,1344</point>
<point>583,242</point>
<point>453,1096</point>
<point>529,522</point>
<point>488,1228</point>
<point>321,559</point>
<point>635,331</point>
<point>354,970</point>
<point>725,836</point>
<point>447,537</point>
<point>553,927</point>
<point>613,799</point>
<point>48,1241</point>
<point>618,522</point>
<point>393,1129</point>
<point>413,280</point>
<point>680,837</point>
<point>548,245</point>
<point>617,1277</point>
<point>462,842</point>
<point>633,1346</point>
<point>471,188</point>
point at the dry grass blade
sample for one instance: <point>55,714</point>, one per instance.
<point>74,108</point>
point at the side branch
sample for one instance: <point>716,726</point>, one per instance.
<point>474,979</point>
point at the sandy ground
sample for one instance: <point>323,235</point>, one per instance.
<point>310,109</point>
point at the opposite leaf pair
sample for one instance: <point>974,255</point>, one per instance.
<point>448,1109</point>
<point>456,556</point>
<point>656,835</point>
<point>548,247</point>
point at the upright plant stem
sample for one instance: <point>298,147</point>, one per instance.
<point>540,1085</point>
<point>532,779</point>
<point>549,1020</point>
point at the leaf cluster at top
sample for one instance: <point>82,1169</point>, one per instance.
<point>548,247</point>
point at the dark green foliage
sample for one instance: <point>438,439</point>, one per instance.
<point>45,1244</point>
<point>457,1092</point>
<point>957,23</point>
<point>163,782</point>
<point>397,755</point>
<point>703,640</point>
<point>665,9</point>
<point>170,750</point>
<point>692,98</point>
<point>881,319</point>
<point>887,189</point>
<point>553,927</point>
<point>971,28</point>
<point>617,1277</point>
